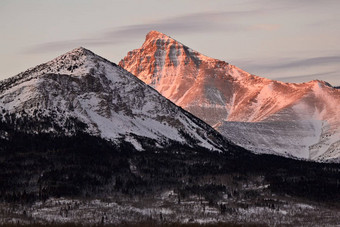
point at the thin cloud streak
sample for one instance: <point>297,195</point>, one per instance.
<point>290,64</point>
<point>192,23</point>
<point>66,44</point>
<point>289,70</point>
<point>293,4</point>
<point>325,60</point>
<point>330,77</point>
<point>308,76</point>
<point>265,27</point>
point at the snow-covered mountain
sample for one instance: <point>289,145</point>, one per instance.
<point>111,102</point>
<point>300,120</point>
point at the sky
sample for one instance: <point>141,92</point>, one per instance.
<point>286,40</point>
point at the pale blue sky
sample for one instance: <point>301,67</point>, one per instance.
<point>289,40</point>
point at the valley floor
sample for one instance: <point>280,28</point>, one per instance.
<point>168,208</point>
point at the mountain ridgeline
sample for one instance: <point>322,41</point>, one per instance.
<point>80,126</point>
<point>112,103</point>
<point>262,115</point>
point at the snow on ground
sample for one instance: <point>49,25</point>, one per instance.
<point>283,138</point>
<point>166,209</point>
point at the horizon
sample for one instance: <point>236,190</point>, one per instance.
<point>285,41</point>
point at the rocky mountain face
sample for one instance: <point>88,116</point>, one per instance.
<point>107,100</point>
<point>266,116</point>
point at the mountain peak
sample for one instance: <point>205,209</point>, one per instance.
<point>155,34</point>
<point>156,38</point>
<point>75,57</point>
<point>83,49</point>
<point>162,55</point>
<point>77,62</point>
<point>320,83</point>
<point>79,51</point>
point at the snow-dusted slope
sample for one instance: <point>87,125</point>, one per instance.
<point>222,95</point>
<point>113,103</point>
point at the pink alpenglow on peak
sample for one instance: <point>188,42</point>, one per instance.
<point>247,109</point>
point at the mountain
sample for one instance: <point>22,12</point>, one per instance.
<point>110,102</point>
<point>78,124</point>
<point>84,142</point>
<point>263,115</point>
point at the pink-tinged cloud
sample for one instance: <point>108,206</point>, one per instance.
<point>265,27</point>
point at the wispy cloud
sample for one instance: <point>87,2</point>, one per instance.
<point>283,64</point>
<point>331,77</point>
<point>289,70</point>
<point>67,44</point>
<point>192,23</point>
<point>317,61</point>
<point>293,4</point>
<point>305,77</point>
<point>264,27</point>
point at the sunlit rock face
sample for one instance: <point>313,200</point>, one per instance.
<point>186,77</point>
<point>224,95</point>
